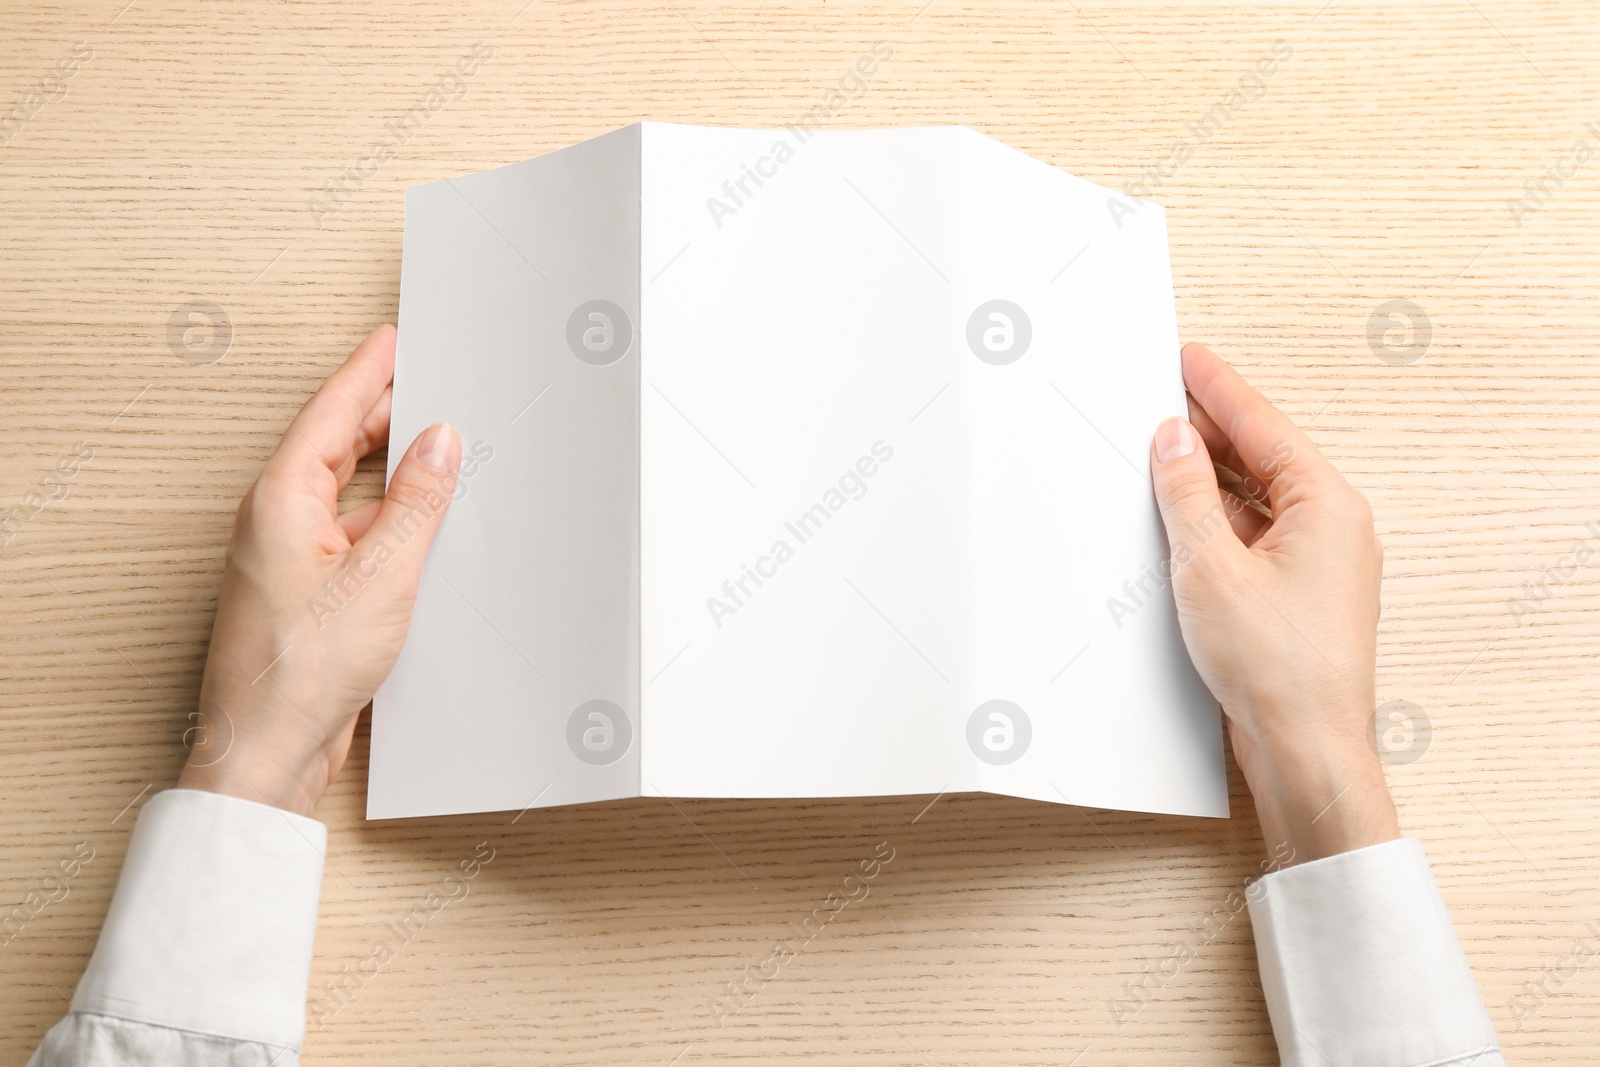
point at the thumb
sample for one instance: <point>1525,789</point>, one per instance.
<point>1187,493</point>
<point>414,505</point>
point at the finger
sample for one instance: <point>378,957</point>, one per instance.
<point>346,418</point>
<point>1269,445</point>
<point>357,521</point>
<point>1247,521</point>
<point>1187,493</point>
<point>413,507</point>
<point>1243,494</point>
<point>1221,449</point>
<point>373,433</point>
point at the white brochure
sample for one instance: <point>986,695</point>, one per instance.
<point>798,463</point>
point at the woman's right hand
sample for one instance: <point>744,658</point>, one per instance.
<point>1279,613</point>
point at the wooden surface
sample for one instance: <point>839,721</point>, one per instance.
<point>1376,166</point>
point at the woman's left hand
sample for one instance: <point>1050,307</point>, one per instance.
<point>315,605</point>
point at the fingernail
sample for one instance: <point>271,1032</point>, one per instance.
<point>440,448</point>
<point>1174,440</point>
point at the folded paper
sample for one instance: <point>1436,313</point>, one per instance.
<point>798,463</point>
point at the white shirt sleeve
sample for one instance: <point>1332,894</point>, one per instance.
<point>1360,964</point>
<point>206,950</point>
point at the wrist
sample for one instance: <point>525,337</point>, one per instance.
<point>257,778</point>
<point>266,744</point>
<point>1321,801</point>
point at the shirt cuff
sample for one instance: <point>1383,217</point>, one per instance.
<point>211,926</point>
<point>1360,964</point>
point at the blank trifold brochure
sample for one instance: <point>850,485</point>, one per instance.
<point>797,463</point>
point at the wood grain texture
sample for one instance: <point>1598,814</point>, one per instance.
<point>1377,165</point>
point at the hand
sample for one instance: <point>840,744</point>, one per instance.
<point>315,605</point>
<point>1279,612</point>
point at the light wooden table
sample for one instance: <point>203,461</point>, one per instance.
<point>1375,164</point>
